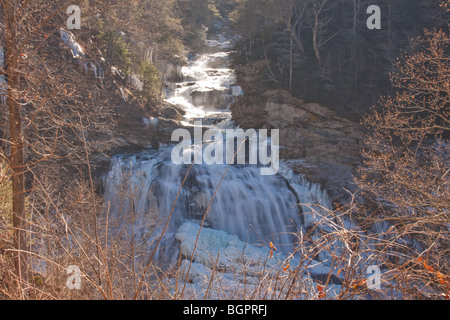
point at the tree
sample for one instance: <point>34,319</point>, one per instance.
<point>292,14</point>
<point>17,33</point>
<point>324,51</point>
<point>151,81</point>
<point>406,172</point>
<point>318,24</point>
<point>51,110</point>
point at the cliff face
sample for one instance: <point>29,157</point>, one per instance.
<point>148,127</point>
<point>327,145</point>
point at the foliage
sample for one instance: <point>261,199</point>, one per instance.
<point>151,79</point>
<point>406,171</point>
<point>116,50</point>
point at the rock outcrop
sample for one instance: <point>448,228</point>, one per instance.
<point>314,140</point>
<point>148,127</point>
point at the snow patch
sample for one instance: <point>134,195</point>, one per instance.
<point>78,53</point>
<point>135,82</point>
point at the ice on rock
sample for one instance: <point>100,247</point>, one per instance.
<point>150,122</point>
<point>69,40</point>
<point>213,243</point>
<point>237,91</point>
<point>78,54</point>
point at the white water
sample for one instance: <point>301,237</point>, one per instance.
<point>256,208</point>
<point>248,211</point>
<point>208,85</point>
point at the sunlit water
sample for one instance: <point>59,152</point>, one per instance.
<point>258,209</point>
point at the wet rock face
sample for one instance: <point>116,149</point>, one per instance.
<point>147,132</point>
<point>325,147</point>
<point>248,112</point>
<point>213,98</point>
<point>172,71</point>
<point>142,127</point>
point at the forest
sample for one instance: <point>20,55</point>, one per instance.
<point>322,51</point>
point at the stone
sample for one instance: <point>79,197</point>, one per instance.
<point>173,113</point>
<point>326,145</point>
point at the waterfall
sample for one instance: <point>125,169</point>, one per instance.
<point>248,207</point>
<point>257,209</point>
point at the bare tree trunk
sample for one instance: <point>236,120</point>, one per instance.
<point>291,63</point>
<point>319,7</point>
<point>315,39</point>
<point>356,9</point>
<point>17,159</point>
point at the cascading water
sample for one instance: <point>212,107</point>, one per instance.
<point>257,209</point>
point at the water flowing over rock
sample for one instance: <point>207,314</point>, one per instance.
<point>207,87</point>
<point>217,99</point>
<point>245,211</point>
<point>254,208</point>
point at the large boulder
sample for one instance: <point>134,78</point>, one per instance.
<point>248,111</point>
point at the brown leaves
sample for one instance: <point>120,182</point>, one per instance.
<point>438,277</point>
<point>425,264</point>
<point>272,249</point>
<point>406,169</point>
<point>322,293</point>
